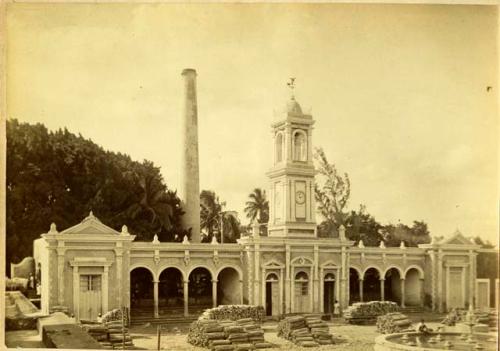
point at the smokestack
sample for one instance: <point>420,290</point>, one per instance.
<point>190,187</point>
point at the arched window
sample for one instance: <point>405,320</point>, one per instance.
<point>302,279</point>
<point>271,277</point>
<point>329,277</point>
<point>279,147</point>
<point>299,146</point>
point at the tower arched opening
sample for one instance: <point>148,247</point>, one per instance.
<point>413,288</point>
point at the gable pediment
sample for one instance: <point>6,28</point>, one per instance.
<point>457,239</point>
<point>90,225</point>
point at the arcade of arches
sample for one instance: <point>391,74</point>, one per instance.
<point>405,289</point>
<point>172,295</point>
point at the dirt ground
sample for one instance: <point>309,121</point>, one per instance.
<point>347,337</point>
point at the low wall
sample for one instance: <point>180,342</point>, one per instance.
<point>20,313</point>
<point>68,336</point>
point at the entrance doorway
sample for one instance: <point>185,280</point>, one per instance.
<point>301,293</point>
<point>329,293</point>
<point>200,290</point>
<point>272,295</point>
<point>354,294</point>
<point>90,297</point>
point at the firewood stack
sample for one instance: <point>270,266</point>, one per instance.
<point>367,312</point>
<point>110,335</point>
<point>394,322</point>
<point>319,330</point>
<point>305,332</point>
<point>226,335</point>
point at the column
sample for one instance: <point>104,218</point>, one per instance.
<point>76,293</point>
<point>472,279</point>
<point>382,290</point>
<point>440,281</point>
<point>316,302</point>
<point>155,297</point>
<point>105,289</point>
<point>433,280</point>
<point>263,287</point>
<point>402,292</point>
<point>321,291</point>
<point>288,302</point>
<point>281,292</point>
<point>241,292</point>
<point>119,274</point>
<point>422,293</point>
<point>60,274</point>
<point>257,286</point>
<point>214,292</point>
<point>186,298</point>
<point>361,290</point>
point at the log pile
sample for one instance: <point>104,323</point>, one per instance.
<point>234,312</point>
<point>116,315</point>
<point>367,312</point>
<point>393,322</point>
<point>319,330</point>
<point>110,335</point>
<point>227,335</point>
<point>305,332</point>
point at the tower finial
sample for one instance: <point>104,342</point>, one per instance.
<point>291,85</point>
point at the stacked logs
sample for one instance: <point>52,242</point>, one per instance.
<point>367,312</point>
<point>226,335</point>
<point>110,335</point>
<point>234,312</point>
<point>305,332</point>
<point>394,322</point>
<point>319,330</point>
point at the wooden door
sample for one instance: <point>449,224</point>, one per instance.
<point>90,297</point>
<point>269,299</point>
<point>301,297</point>
<point>456,298</point>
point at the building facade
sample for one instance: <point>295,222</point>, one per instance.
<point>91,268</point>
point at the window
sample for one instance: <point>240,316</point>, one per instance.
<point>299,146</point>
<point>272,277</point>
<point>90,282</point>
<point>279,147</point>
<point>302,283</point>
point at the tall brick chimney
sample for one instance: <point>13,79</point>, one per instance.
<point>190,186</point>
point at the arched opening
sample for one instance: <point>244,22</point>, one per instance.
<point>371,285</point>
<point>413,288</point>
<point>272,295</point>
<point>301,292</point>
<point>299,146</point>
<point>141,293</point>
<point>329,293</point>
<point>200,290</point>
<point>228,287</point>
<point>171,292</point>
<point>279,147</point>
<point>354,295</point>
<point>392,286</point>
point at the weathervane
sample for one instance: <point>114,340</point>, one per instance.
<point>291,85</point>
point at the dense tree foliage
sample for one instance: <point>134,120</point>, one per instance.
<point>211,215</point>
<point>59,177</point>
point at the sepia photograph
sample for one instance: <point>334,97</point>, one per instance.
<point>249,176</point>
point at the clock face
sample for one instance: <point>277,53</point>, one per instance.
<point>300,197</point>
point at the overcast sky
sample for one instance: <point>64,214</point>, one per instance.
<point>399,94</point>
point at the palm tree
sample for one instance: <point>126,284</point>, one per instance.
<point>257,208</point>
<point>210,212</point>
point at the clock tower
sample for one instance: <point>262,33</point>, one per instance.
<point>292,204</point>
